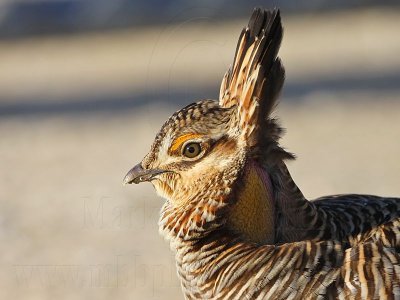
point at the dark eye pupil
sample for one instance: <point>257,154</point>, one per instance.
<point>192,150</point>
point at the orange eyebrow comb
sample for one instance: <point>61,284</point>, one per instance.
<point>177,143</point>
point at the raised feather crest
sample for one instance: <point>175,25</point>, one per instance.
<point>254,81</point>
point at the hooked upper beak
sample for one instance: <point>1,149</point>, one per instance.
<point>137,174</point>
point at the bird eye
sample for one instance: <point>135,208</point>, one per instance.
<point>191,150</point>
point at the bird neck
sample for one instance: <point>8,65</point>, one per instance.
<point>203,213</point>
<point>269,208</point>
<point>253,213</point>
<point>297,215</point>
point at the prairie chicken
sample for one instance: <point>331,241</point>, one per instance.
<point>238,224</point>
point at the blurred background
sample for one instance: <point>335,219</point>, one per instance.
<point>86,84</point>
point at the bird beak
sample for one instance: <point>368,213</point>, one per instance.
<point>137,174</point>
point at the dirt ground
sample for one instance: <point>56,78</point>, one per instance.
<point>76,112</point>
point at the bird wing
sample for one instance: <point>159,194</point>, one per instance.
<point>359,217</point>
<point>371,270</point>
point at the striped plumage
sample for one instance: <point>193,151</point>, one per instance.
<point>239,225</point>
<point>225,267</point>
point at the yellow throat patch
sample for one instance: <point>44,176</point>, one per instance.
<point>253,213</point>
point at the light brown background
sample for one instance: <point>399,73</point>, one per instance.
<point>78,111</point>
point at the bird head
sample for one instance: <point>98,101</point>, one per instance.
<point>209,152</point>
<point>196,144</point>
